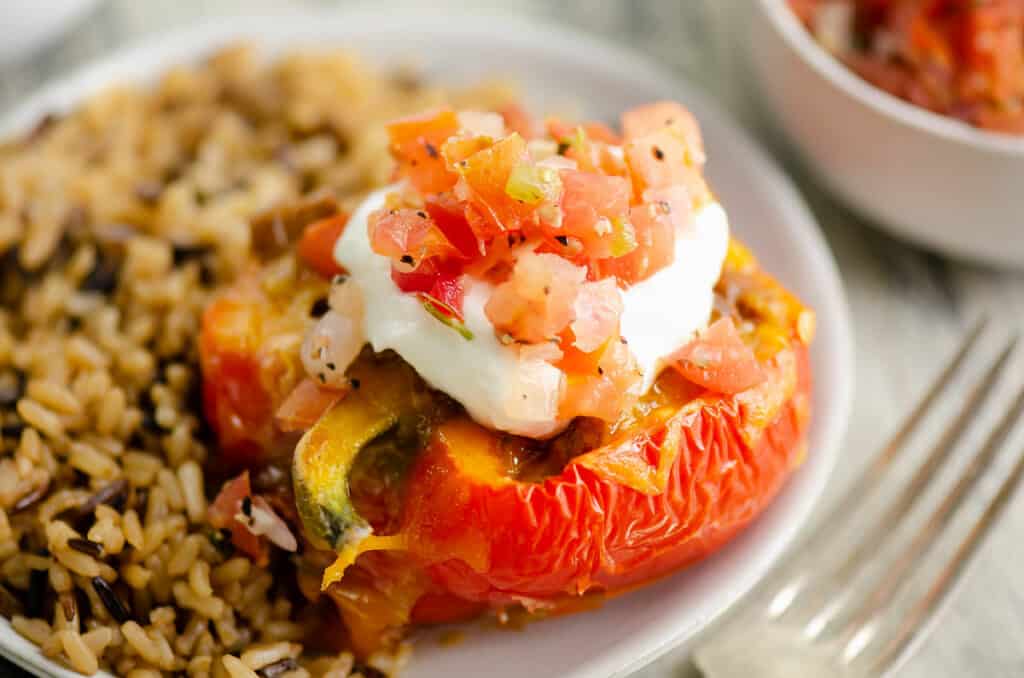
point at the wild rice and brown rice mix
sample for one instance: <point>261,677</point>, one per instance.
<point>117,222</point>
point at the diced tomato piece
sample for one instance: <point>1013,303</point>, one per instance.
<point>594,131</point>
<point>408,235</point>
<point>435,280</point>
<point>598,131</point>
<point>662,159</point>
<point>423,278</point>
<point>598,308</point>
<point>486,175</point>
<point>416,144</point>
<point>652,118</point>
<point>316,247</point>
<point>305,405</point>
<point>559,130</point>
<point>577,362</point>
<point>449,292</point>
<point>450,216</point>
<point>593,207</point>
<point>536,303</point>
<point>607,391</point>
<point>223,510</point>
<point>519,120</point>
<point>719,360</point>
<point>460,147</point>
<point>655,225</point>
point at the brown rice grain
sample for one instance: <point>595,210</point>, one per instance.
<point>234,570</point>
<point>168,482</point>
<point>65,613</point>
<point>140,468</point>
<point>79,563</point>
<point>92,462</point>
<point>206,644</point>
<point>184,556</point>
<point>82,353</point>
<point>132,528</point>
<point>178,445</point>
<point>199,666</point>
<point>186,640</point>
<point>111,409</point>
<point>60,501</point>
<point>210,607</point>
<point>42,419</point>
<point>40,241</point>
<point>281,630</point>
<point>30,445</point>
<point>199,578</point>
<point>36,630</point>
<point>79,655</point>
<point>60,579</point>
<point>140,641</point>
<point>136,575</point>
<point>5,526</point>
<point>98,639</point>
<point>190,476</point>
<point>144,673</point>
<point>107,533</point>
<point>236,668</point>
<point>55,396</point>
<point>154,535</point>
<point>340,666</point>
<point>258,656</point>
<point>82,262</point>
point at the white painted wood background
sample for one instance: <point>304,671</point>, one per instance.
<point>908,307</point>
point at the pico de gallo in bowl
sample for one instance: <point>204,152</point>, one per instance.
<point>960,59</point>
<point>534,368</point>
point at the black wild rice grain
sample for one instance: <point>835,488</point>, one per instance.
<point>35,599</point>
<point>115,606</point>
<point>86,546</point>
<point>279,667</point>
<point>113,494</point>
<point>31,499</point>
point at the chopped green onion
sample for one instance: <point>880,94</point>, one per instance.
<point>623,237</point>
<point>531,184</point>
<point>445,314</point>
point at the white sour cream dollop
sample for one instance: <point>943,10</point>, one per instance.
<point>498,388</point>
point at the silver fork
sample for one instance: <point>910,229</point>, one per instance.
<point>843,602</point>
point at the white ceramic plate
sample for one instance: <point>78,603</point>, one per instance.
<point>554,65</point>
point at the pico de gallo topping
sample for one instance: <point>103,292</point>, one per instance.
<point>558,220</point>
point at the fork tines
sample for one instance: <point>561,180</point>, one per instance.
<point>854,586</point>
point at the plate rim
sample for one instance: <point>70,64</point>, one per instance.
<point>145,56</point>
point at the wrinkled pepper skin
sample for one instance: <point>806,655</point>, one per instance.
<point>584,529</point>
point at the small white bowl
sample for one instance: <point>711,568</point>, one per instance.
<point>931,179</point>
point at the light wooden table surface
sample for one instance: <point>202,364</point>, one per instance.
<point>908,306</point>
